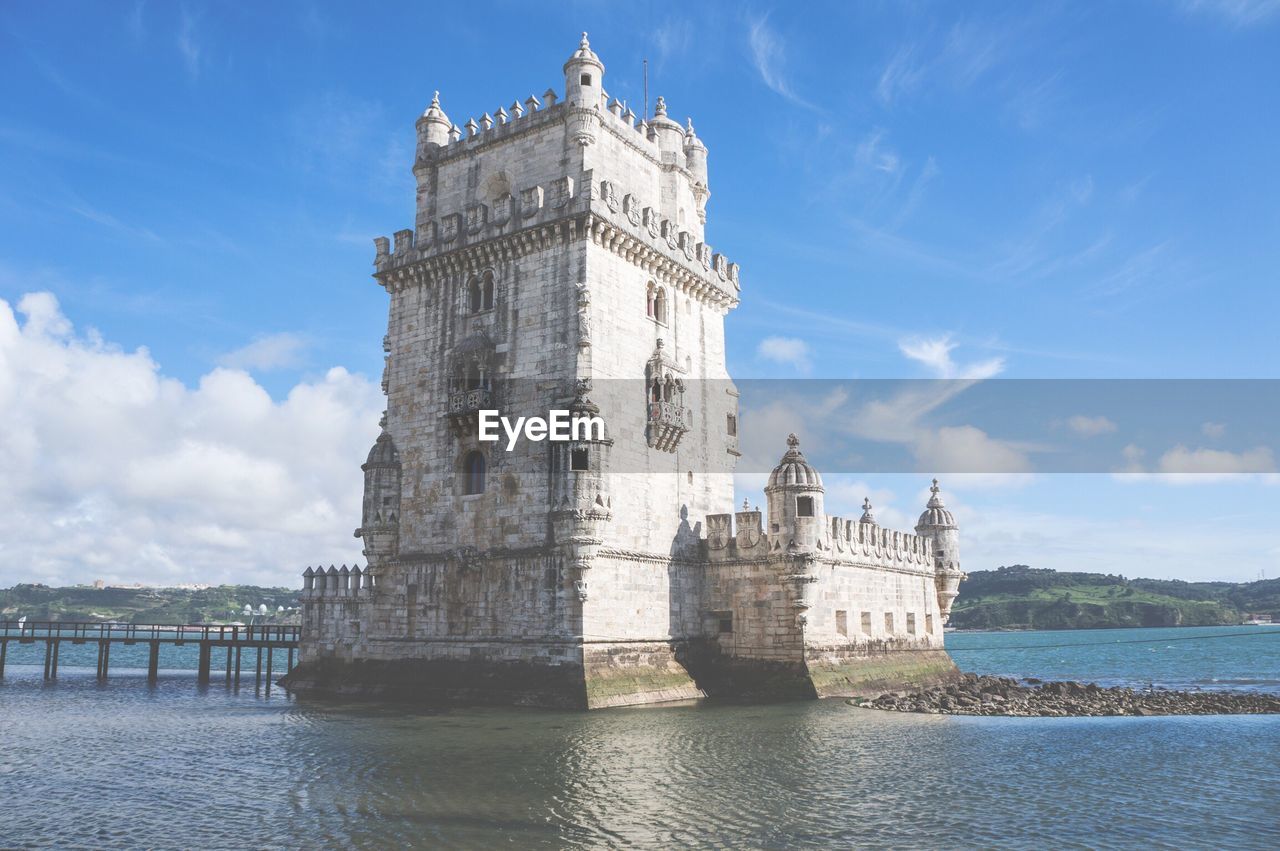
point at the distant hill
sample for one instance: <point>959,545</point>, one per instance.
<point>1022,597</point>
<point>222,604</point>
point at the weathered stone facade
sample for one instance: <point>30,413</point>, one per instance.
<point>559,250</point>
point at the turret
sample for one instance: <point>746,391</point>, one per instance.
<point>433,127</point>
<point>695,159</point>
<point>669,135</point>
<point>794,493</point>
<point>380,519</point>
<point>939,526</point>
<point>584,77</point>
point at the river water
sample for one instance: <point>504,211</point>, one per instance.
<point>122,764</point>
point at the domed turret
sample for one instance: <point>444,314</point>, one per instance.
<point>668,133</point>
<point>380,519</point>
<point>695,155</point>
<point>794,492</point>
<point>433,127</point>
<point>939,525</point>
<point>584,77</point>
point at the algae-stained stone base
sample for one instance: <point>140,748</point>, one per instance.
<point>874,674</point>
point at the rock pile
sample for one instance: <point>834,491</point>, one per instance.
<point>981,695</point>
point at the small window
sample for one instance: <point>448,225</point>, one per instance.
<point>724,622</point>
<point>660,306</point>
<point>888,623</point>
<point>866,623</point>
<point>386,500</point>
<point>731,424</point>
<point>928,624</point>
<point>691,477</point>
<point>486,300</point>
<point>842,622</point>
<point>911,623</point>
<point>804,506</point>
<point>475,297</point>
<point>586,79</point>
<point>579,461</point>
<point>473,467</point>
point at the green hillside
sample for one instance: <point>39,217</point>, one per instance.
<point>143,605</point>
<point>1021,597</point>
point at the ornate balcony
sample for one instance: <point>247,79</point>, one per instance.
<point>668,422</point>
<point>470,401</point>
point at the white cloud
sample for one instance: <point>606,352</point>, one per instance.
<point>1182,465</point>
<point>112,470</point>
<point>1091,426</point>
<point>1213,430</point>
<point>768,54</point>
<point>270,351</point>
<point>1180,459</point>
<point>872,155</point>
<point>935,354</point>
<point>967,449</point>
<point>785,350</point>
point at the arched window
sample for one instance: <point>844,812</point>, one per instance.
<point>486,300</point>
<point>473,470</point>
<point>660,306</point>
<point>475,297</point>
<point>648,308</point>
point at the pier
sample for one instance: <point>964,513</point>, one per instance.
<point>234,639</point>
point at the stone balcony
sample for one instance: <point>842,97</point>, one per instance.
<point>668,422</point>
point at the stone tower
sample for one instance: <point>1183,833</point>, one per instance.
<point>558,260</point>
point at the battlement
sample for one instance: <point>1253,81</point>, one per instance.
<point>849,541</point>
<point>337,582</point>
<point>616,219</point>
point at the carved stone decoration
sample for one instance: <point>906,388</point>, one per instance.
<point>584,316</point>
<point>610,196</point>
<point>530,201</point>
<point>671,234</point>
<point>686,244</point>
<point>404,241</point>
<point>450,225</point>
<point>703,253</point>
<point>651,222</point>
<point>477,218</point>
<point>718,531</point>
<point>631,207</point>
<point>502,209</point>
<point>561,192</point>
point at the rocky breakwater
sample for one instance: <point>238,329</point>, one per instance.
<point>979,695</point>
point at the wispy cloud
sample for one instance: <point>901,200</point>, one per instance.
<point>82,208</point>
<point>188,47</point>
<point>1213,430</point>
<point>789,351</point>
<point>1087,426</point>
<point>901,75</point>
<point>1237,13</point>
<point>935,354</point>
<point>768,54</point>
<point>267,352</point>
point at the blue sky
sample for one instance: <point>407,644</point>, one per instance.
<point>1054,190</point>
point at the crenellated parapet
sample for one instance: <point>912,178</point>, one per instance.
<point>337,583</point>
<point>529,217</point>
<point>741,537</point>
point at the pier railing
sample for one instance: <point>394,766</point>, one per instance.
<point>234,637</point>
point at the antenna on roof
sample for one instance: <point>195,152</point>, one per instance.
<point>646,89</point>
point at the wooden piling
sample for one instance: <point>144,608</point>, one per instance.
<point>57,646</point>
<point>153,662</point>
<point>237,665</point>
<point>4,650</point>
<point>257,681</point>
<point>228,664</point>
<point>270,652</point>
<point>289,666</point>
<point>101,653</point>
<point>202,672</point>
<point>48,657</point>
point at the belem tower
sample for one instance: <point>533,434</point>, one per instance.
<point>558,260</point>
